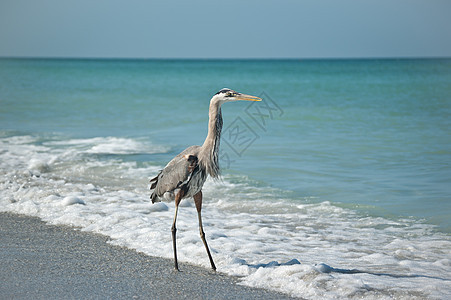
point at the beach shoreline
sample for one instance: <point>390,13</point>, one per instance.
<point>40,261</point>
<point>354,205</point>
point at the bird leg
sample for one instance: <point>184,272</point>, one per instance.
<point>178,198</point>
<point>198,202</point>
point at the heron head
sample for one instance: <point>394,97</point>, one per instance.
<point>228,95</point>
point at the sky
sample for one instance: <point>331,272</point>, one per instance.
<point>225,29</point>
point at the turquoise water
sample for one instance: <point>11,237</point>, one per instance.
<point>369,135</point>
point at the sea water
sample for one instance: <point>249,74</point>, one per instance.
<point>336,185</point>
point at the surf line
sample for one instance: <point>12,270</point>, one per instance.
<point>323,268</point>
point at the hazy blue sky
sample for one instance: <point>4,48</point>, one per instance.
<point>225,29</point>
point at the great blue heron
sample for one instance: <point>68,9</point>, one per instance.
<point>185,174</point>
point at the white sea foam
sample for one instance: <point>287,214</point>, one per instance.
<point>109,145</point>
<point>71,200</point>
<point>310,250</point>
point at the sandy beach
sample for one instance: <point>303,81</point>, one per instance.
<point>42,261</point>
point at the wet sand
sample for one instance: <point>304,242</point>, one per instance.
<point>41,261</point>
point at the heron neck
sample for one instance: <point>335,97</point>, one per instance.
<point>210,148</point>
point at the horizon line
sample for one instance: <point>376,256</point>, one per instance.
<point>224,58</point>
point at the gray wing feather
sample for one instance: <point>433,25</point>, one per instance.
<point>176,173</point>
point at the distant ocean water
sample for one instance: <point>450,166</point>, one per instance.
<point>345,165</point>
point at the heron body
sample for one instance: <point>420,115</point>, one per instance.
<point>185,175</point>
<point>181,173</point>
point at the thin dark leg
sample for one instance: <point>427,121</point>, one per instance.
<point>198,202</point>
<point>178,197</point>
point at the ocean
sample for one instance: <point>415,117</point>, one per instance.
<point>336,185</point>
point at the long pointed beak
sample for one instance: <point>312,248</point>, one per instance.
<point>247,97</point>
